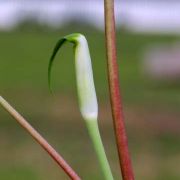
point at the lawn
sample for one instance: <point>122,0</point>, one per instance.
<point>151,108</point>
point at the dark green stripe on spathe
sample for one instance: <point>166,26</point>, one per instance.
<point>57,47</point>
<point>71,38</point>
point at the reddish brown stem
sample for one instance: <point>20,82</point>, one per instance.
<point>48,148</point>
<point>116,102</point>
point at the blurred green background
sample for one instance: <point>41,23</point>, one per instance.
<point>151,108</point>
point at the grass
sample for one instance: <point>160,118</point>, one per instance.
<point>148,108</point>
<point>23,65</point>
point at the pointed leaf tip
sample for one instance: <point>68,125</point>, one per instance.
<point>57,47</point>
<point>71,38</point>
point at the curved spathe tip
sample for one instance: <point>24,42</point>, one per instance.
<point>73,38</point>
<point>84,74</point>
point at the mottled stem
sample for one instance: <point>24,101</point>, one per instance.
<point>48,148</point>
<point>116,102</point>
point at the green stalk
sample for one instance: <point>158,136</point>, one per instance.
<point>86,93</point>
<point>93,129</point>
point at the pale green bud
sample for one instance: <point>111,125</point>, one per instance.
<point>84,75</point>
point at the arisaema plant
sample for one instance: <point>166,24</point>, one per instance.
<point>86,94</point>
<point>88,101</point>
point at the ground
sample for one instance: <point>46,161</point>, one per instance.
<point>151,108</point>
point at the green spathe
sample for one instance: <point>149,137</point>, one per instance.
<point>86,94</point>
<point>84,75</point>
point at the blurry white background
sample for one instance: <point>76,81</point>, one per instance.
<point>135,15</point>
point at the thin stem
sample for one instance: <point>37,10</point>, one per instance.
<point>116,102</point>
<point>99,148</point>
<point>48,148</point>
